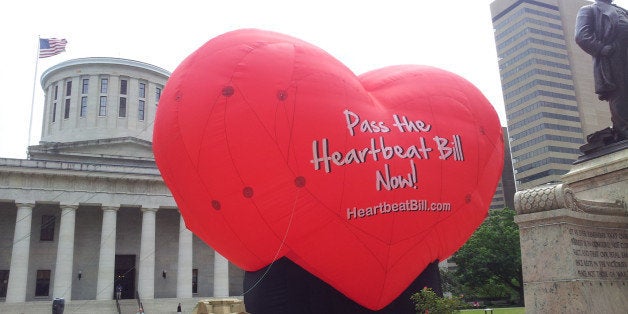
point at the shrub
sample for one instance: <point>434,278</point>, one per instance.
<point>426,301</point>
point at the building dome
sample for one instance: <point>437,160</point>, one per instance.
<point>100,98</point>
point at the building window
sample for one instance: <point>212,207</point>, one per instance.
<point>104,85</point>
<point>53,117</point>
<point>66,109</point>
<point>68,88</point>
<point>84,91</point>
<point>47,228</point>
<point>142,90</point>
<point>4,282</point>
<point>141,107</point>
<point>83,112</point>
<point>42,286</point>
<point>195,280</point>
<point>85,87</point>
<point>54,112</point>
<point>102,107</point>
<point>140,110</point>
<point>157,93</point>
<point>122,108</point>
<point>68,93</point>
<point>123,87</point>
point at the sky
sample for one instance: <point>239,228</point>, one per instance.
<point>454,35</point>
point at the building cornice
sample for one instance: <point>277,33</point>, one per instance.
<point>76,169</point>
<point>100,61</point>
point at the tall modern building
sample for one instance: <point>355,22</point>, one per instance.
<point>547,82</point>
<point>88,210</point>
<point>505,193</point>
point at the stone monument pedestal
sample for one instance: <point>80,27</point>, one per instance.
<point>220,306</point>
<point>574,239</point>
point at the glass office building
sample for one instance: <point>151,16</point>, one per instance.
<point>547,83</point>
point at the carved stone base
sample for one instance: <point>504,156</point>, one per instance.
<point>601,179</point>
<point>592,152</point>
<point>601,140</point>
<point>220,306</point>
<point>574,239</point>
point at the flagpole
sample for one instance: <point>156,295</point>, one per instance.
<point>30,123</point>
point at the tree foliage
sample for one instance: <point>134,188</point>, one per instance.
<point>489,264</point>
<point>426,301</point>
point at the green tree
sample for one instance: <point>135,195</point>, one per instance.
<point>489,264</point>
<point>426,301</point>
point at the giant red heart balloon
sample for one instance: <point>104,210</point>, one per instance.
<point>272,148</point>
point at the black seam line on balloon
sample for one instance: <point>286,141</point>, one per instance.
<point>389,241</point>
<point>290,147</point>
<point>196,164</point>
<point>267,131</point>
<point>245,101</point>
<point>223,217</point>
<point>340,217</point>
<point>461,86</point>
<point>457,101</point>
<point>294,104</point>
<point>204,132</point>
<point>422,235</point>
<point>418,234</point>
<point>204,185</point>
<point>431,228</point>
<point>382,263</point>
<point>483,136</point>
<point>391,81</point>
<point>430,98</point>
<point>184,76</point>
<point>346,136</point>
<point>269,134</point>
<point>344,172</point>
<point>419,243</point>
<point>350,230</point>
<point>219,95</point>
<point>334,214</point>
<point>283,242</point>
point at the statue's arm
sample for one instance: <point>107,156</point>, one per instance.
<point>585,31</point>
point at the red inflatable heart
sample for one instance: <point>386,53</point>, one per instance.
<point>273,148</point>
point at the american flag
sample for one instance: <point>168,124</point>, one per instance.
<point>49,47</point>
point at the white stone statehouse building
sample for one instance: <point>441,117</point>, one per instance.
<point>88,209</point>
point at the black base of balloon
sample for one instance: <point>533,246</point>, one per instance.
<point>286,288</point>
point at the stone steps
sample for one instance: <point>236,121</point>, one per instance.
<point>154,306</point>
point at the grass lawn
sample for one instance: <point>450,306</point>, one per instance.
<point>506,310</point>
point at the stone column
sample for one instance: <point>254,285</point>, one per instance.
<point>65,254</point>
<point>18,276</point>
<point>107,260</point>
<point>184,263</point>
<point>221,276</point>
<point>146,280</point>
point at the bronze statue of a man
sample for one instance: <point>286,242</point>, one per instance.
<point>602,31</point>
